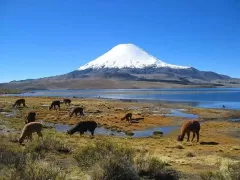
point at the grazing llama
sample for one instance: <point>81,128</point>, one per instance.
<point>187,127</point>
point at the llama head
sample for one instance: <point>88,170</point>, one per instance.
<point>69,132</point>
<point>179,138</point>
<point>20,140</point>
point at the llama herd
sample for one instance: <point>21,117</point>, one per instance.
<point>83,126</point>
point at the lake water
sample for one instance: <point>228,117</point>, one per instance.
<point>197,97</point>
<point>103,131</point>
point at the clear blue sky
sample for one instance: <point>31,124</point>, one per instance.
<point>51,37</point>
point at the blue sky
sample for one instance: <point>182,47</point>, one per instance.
<point>51,37</point>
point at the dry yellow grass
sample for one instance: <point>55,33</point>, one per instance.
<point>219,140</point>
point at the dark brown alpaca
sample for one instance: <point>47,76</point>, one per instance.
<point>128,117</point>
<point>67,101</point>
<point>82,127</point>
<point>19,102</point>
<point>187,127</point>
<point>55,104</point>
<point>31,117</point>
<point>76,110</point>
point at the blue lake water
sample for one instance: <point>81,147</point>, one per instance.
<point>197,97</point>
<point>103,131</point>
<point>178,113</point>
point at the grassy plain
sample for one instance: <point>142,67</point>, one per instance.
<point>219,138</point>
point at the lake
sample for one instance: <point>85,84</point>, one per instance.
<point>197,97</point>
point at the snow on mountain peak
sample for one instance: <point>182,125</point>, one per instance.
<point>127,56</point>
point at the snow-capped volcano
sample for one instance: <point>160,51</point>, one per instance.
<point>127,56</point>
<point>127,66</point>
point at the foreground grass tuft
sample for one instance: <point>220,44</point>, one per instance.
<point>152,168</point>
<point>16,165</point>
<point>48,144</point>
<point>230,172</point>
<point>89,155</point>
<point>105,160</point>
<point>114,169</point>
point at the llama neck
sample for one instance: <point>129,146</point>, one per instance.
<point>73,130</point>
<point>183,133</point>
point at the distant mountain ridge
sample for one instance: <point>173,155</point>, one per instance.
<point>127,66</point>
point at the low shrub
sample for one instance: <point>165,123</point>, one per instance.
<point>19,164</point>
<point>12,158</point>
<point>230,172</point>
<point>105,160</point>
<point>35,170</point>
<point>91,154</point>
<point>152,168</point>
<point>48,144</point>
<point>114,168</point>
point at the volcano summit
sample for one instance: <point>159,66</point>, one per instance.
<point>127,56</point>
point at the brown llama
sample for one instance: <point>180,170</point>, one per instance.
<point>76,110</point>
<point>67,101</point>
<point>128,117</point>
<point>187,127</point>
<point>31,117</point>
<point>18,102</point>
<point>29,129</point>
<point>55,104</point>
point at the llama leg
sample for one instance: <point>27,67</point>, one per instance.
<point>92,133</point>
<point>193,136</point>
<point>40,134</point>
<point>188,135</point>
<point>197,136</point>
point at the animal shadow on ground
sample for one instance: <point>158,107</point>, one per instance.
<point>209,143</point>
<point>136,120</point>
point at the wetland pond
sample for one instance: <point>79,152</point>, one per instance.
<point>103,131</point>
<point>228,98</point>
